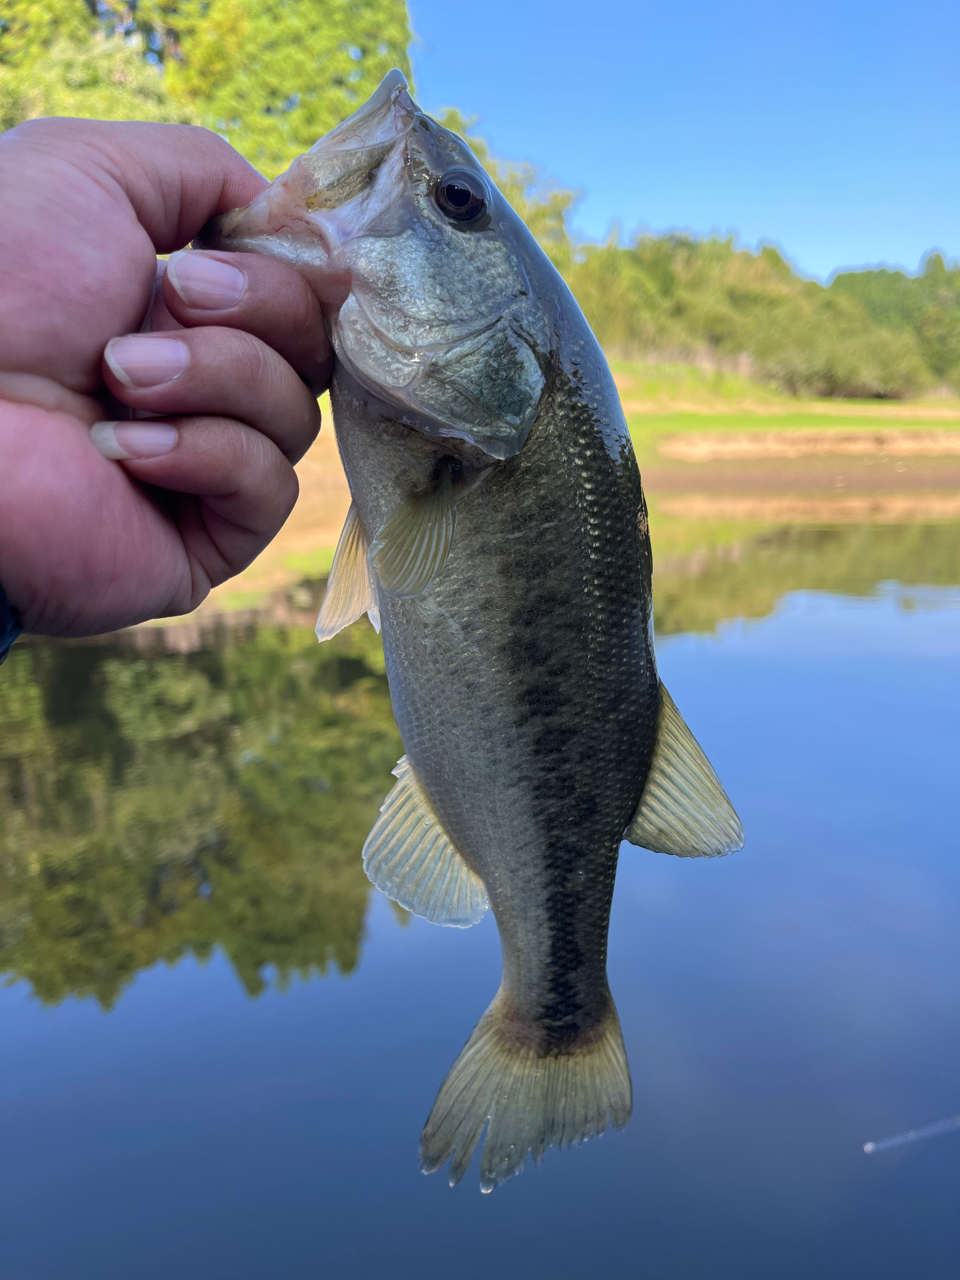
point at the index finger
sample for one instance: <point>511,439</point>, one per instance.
<point>174,175</point>
<point>260,295</point>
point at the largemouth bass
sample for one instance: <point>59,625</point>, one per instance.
<point>499,534</point>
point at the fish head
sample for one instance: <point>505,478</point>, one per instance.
<point>421,265</point>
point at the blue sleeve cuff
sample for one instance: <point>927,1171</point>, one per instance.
<point>9,625</point>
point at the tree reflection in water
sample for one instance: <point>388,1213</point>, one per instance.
<point>157,804</point>
<point>163,805</point>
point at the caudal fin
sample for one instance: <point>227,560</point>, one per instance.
<point>531,1102</point>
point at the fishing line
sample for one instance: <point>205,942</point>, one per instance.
<point>913,1135</point>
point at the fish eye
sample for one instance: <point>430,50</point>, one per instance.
<point>461,196</point>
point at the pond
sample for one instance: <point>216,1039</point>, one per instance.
<point>219,1044</point>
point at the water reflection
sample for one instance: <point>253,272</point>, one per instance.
<point>161,804</point>
<point>746,579</point>
<point>158,802</point>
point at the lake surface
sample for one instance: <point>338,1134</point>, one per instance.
<point>218,1045</point>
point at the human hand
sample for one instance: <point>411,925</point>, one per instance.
<point>236,356</point>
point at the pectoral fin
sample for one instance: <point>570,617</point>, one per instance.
<point>412,546</point>
<point>351,589</point>
<point>683,810</point>
<point>411,859</point>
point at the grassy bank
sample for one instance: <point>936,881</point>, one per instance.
<point>662,399</point>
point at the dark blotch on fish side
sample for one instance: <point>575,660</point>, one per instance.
<point>579,594</point>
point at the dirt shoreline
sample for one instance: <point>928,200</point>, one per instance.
<point>875,508</point>
<point>793,484</point>
<point>747,408</point>
<point>697,446</point>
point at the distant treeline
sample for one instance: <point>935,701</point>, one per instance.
<point>869,333</point>
<point>272,79</point>
<point>706,299</point>
<point>925,308</point>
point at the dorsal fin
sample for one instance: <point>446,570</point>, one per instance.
<point>411,859</point>
<point>683,810</point>
<point>351,589</point>
<point>412,546</point>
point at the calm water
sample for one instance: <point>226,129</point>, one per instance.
<point>218,1046</point>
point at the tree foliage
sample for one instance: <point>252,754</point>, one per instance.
<point>60,58</point>
<point>676,296</point>
<point>926,306</point>
<point>272,76</point>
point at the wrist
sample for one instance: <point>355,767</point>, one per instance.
<point>9,625</point>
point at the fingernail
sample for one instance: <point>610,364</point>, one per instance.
<point>205,283</point>
<point>120,440</point>
<point>146,359</point>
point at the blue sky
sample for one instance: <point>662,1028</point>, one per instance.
<point>831,129</point>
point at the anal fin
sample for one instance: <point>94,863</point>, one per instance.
<point>684,810</point>
<point>411,859</point>
<point>351,589</point>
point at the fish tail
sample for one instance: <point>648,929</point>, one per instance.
<point>531,1101</point>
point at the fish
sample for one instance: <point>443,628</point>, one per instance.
<point>498,535</point>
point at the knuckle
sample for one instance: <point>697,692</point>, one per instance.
<point>46,133</point>
<point>255,385</point>
<point>213,140</point>
<point>276,482</point>
<point>304,318</point>
<point>233,357</point>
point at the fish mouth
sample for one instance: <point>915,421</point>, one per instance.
<point>299,207</point>
<point>384,117</point>
<point>341,165</point>
<point>358,217</point>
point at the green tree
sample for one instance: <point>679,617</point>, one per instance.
<point>60,58</point>
<point>28,27</point>
<point>272,76</point>
<point>679,297</point>
<point>925,306</point>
